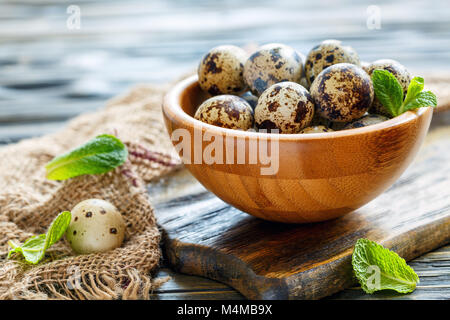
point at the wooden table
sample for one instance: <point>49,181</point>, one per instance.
<point>50,73</point>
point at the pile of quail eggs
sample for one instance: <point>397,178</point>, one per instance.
<point>277,87</point>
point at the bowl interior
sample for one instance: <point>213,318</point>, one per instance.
<point>192,97</point>
<point>187,96</point>
<point>318,176</point>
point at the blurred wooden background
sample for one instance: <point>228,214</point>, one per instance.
<point>50,72</point>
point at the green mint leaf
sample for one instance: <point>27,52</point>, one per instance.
<point>414,88</point>
<point>378,268</point>
<point>423,99</point>
<point>33,249</point>
<point>388,91</point>
<point>57,229</point>
<point>99,155</point>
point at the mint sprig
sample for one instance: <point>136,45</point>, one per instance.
<point>378,268</point>
<point>390,93</point>
<point>34,248</point>
<point>99,155</point>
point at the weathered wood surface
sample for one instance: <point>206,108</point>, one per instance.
<point>432,268</point>
<point>204,236</point>
<point>49,73</point>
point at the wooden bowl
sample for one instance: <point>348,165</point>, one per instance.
<point>321,176</point>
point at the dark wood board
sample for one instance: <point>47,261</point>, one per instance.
<point>265,260</point>
<point>432,268</point>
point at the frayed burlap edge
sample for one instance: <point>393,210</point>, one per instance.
<point>29,202</point>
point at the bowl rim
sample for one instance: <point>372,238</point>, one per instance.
<point>172,105</point>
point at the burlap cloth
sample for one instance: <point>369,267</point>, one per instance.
<point>29,202</point>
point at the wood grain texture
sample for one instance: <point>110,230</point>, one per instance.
<point>187,287</point>
<point>432,268</point>
<point>49,73</point>
<point>204,236</point>
<point>317,177</point>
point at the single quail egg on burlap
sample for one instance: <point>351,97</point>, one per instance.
<point>286,106</point>
<point>226,111</point>
<point>366,121</point>
<point>271,64</point>
<point>316,129</point>
<point>221,70</point>
<point>96,226</point>
<point>342,92</point>
<point>398,70</point>
<point>328,53</point>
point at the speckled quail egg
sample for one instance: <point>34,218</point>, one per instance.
<point>304,83</point>
<point>352,53</point>
<point>303,80</point>
<point>226,111</point>
<point>337,126</point>
<point>365,66</point>
<point>316,129</point>
<point>286,106</point>
<point>328,53</point>
<point>342,92</point>
<point>319,121</point>
<point>271,64</point>
<point>250,98</point>
<point>398,70</point>
<point>96,226</point>
<point>302,56</point>
<point>221,70</point>
<point>366,121</point>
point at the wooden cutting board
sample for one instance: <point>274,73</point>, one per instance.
<point>264,260</point>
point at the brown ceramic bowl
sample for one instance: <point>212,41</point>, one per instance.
<point>320,176</point>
